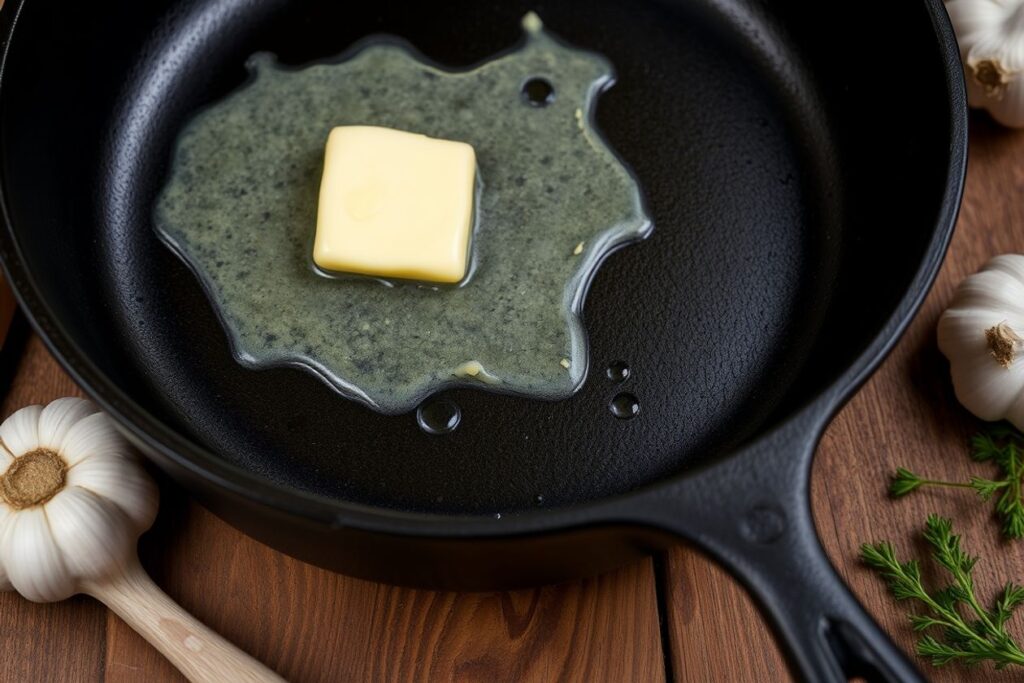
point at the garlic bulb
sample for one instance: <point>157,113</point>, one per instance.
<point>74,502</point>
<point>981,335</point>
<point>991,37</point>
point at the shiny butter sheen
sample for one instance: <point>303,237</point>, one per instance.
<point>395,204</point>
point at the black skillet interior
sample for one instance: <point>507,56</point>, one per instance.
<point>793,155</point>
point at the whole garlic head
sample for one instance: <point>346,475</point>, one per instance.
<point>73,499</point>
<point>981,335</point>
<point>991,37</point>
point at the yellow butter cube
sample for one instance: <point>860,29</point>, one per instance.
<point>395,204</point>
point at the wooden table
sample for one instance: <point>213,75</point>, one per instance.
<point>312,625</point>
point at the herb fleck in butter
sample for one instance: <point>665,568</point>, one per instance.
<point>240,207</point>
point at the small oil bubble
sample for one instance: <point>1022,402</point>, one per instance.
<point>538,92</point>
<point>438,416</point>
<point>539,499</point>
<point>497,515</point>
<point>624,406</point>
<point>618,371</point>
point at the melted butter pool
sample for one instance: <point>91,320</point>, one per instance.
<point>240,205</point>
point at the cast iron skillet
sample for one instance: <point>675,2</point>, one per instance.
<point>803,164</point>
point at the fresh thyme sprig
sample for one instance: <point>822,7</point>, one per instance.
<point>1001,445</point>
<point>980,636</point>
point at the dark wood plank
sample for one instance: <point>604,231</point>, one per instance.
<point>35,645</point>
<point>313,625</point>
<point>715,632</point>
<point>905,415</point>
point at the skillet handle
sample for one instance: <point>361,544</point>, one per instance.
<point>752,513</point>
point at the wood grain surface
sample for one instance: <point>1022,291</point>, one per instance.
<point>311,625</point>
<point>907,415</point>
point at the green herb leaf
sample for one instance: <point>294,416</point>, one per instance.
<point>1002,445</point>
<point>903,482</point>
<point>986,488</point>
<point>984,446</point>
<point>947,597</point>
<point>1010,508</point>
<point>920,623</point>
<point>1011,597</point>
<point>981,637</point>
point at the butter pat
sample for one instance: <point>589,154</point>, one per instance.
<point>395,204</point>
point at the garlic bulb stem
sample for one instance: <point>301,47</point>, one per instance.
<point>1002,343</point>
<point>991,76</point>
<point>990,33</point>
<point>200,654</point>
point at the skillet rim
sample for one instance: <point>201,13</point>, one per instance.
<point>159,442</point>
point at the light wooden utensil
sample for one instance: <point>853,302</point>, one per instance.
<point>74,499</point>
<point>202,655</point>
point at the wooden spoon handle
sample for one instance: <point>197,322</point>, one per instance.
<point>200,654</point>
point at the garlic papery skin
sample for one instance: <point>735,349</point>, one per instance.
<point>982,335</point>
<point>991,37</point>
<point>73,499</point>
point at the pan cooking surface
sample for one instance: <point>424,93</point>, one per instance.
<point>717,314</point>
<point>700,312</point>
<point>546,183</point>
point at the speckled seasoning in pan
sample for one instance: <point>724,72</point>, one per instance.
<point>553,201</point>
